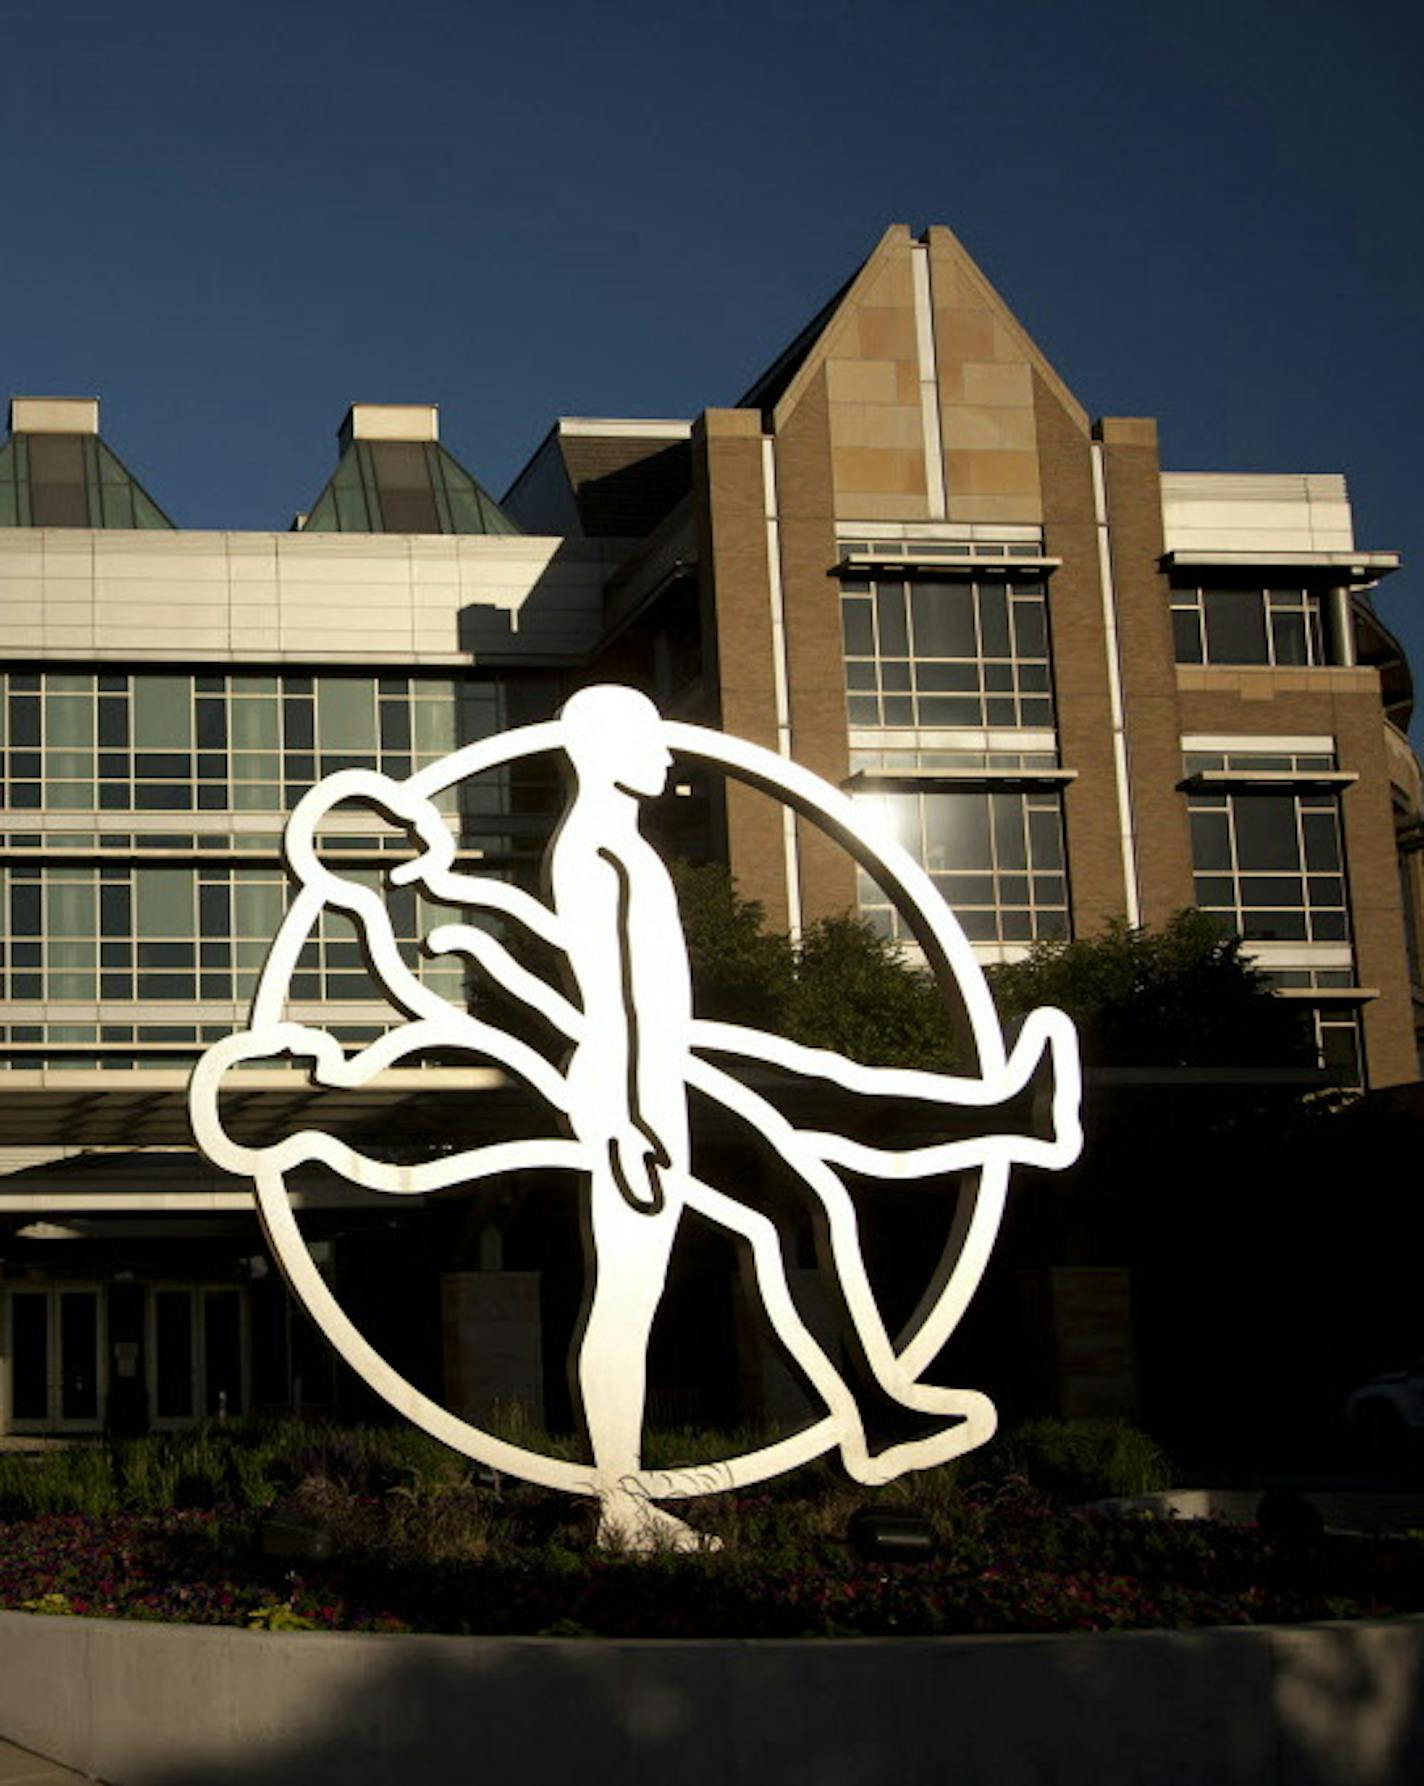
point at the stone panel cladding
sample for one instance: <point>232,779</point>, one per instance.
<point>1096,886</point>
<point>1345,703</point>
<point>728,490</point>
<point>986,394</point>
<point>815,660</point>
<point>1132,477</point>
<point>869,393</point>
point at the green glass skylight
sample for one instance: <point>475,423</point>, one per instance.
<point>404,486</point>
<point>70,480</point>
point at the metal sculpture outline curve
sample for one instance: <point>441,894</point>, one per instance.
<point>635,1053</point>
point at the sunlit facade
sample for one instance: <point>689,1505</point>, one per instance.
<point>1074,686</point>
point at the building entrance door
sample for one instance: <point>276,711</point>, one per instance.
<point>55,1376</point>
<point>197,1354</point>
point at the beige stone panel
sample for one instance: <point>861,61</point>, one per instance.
<point>895,473</point>
<point>346,637</point>
<point>522,548</point>
<point>170,621</point>
<point>20,555</point>
<point>877,425</point>
<point>963,426</point>
<point>441,598</point>
<point>892,284</point>
<point>954,288</point>
<point>142,597</point>
<point>1007,349</point>
<point>330,548</point>
<point>346,640</point>
<point>985,473</point>
<point>886,334</point>
<point>866,507</point>
<point>128,562</point>
<point>250,555</point>
<point>68,613</point>
<point>1129,431</point>
<point>439,548</point>
<point>345,569</point>
<point>907,382</point>
<point>309,610</point>
<point>964,334</point>
<point>21,613</point>
<point>999,386</point>
<point>848,342</point>
<point>864,381</point>
<point>67,547</point>
<point>438,572</point>
<point>69,638</point>
<point>1021,510</point>
<point>140,640</point>
<point>389,598</point>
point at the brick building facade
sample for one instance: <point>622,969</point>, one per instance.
<point>1076,686</point>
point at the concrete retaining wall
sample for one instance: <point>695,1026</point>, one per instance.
<point>173,1705</point>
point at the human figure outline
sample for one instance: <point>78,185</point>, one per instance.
<point>635,1052</point>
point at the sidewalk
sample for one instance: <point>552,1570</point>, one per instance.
<point>18,1767</point>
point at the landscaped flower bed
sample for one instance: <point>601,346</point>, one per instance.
<point>460,1559</point>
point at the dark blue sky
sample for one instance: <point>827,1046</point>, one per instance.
<point>230,221</point>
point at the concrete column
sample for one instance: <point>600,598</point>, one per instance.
<point>493,1343</point>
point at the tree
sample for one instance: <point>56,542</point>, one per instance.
<point>741,972</point>
<point>855,993</point>
<point>1183,996</point>
<point>844,986</point>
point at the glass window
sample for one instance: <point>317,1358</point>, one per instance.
<point>943,617</point>
<point>254,725</point>
<point>1251,851</point>
<point>164,902</point>
<point>434,727</point>
<point>258,731</point>
<point>346,713</point>
<point>947,652</point>
<point>1246,624</point>
<point>997,859</point>
<point>1338,1044</point>
<point>1235,627</point>
<point>162,713</point>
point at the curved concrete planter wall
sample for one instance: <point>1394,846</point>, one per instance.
<point>175,1705</point>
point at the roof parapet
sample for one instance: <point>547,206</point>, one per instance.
<point>54,415</point>
<point>389,421</point>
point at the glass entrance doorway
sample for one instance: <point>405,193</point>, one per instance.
<point>55,1377</point>
<point>197,1355</point>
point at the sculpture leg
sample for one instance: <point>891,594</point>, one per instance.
<point>628,1266</point>
<point>884,1429</point>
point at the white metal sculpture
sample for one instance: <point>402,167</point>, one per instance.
<point>635,1052</point>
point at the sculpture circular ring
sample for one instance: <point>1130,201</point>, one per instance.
<point>950,957</point>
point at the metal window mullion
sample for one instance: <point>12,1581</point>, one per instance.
<point>996,892</point>
<point>93,493</point>
<point>1237,896</point>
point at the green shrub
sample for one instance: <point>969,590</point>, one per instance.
<point>1079,1460</point>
